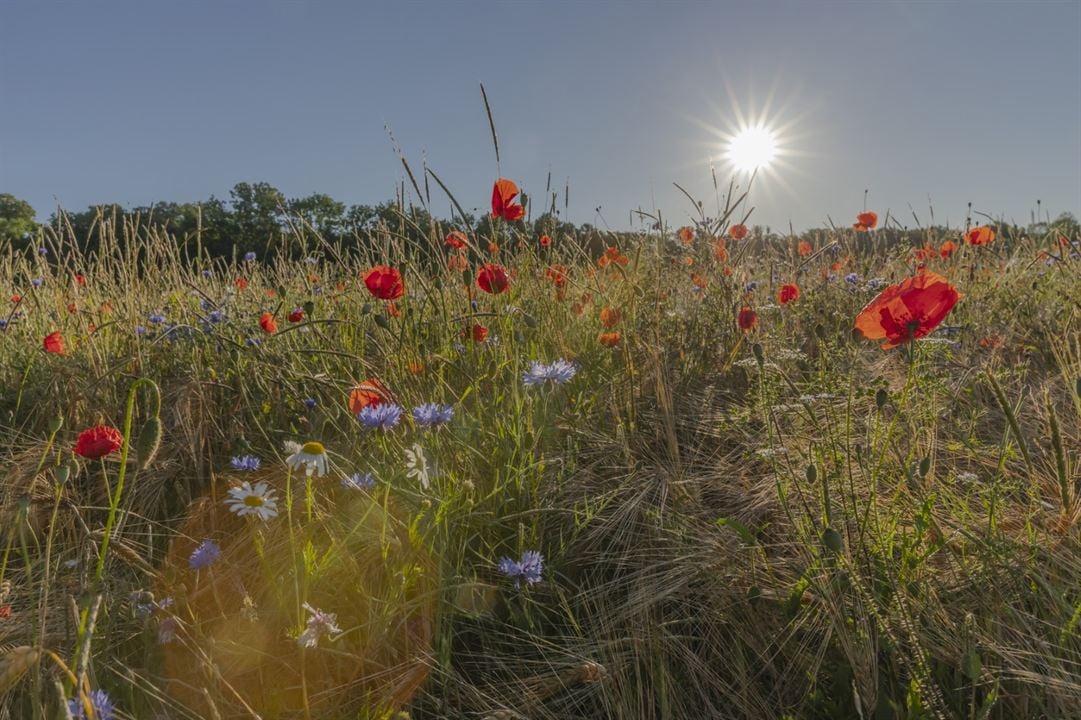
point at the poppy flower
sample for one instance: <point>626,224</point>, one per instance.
<point>609,339</point>
<point>54,343</point>
<point>926,252</point>
<point>268,323</point>
<point>480,333</point>
<point>980,235</point>
<point>612,256</point>
<point>865,221</point>
<point>557,274</point>
<point>720,250</point>
<point>384,282</point>
<point>788,293</point>
<point>242,283</point>
<point>493,248</point>
<point>493,279</point>
<point>738,231</point>
<point>16,299</point>
<point>908,310</point>
<point>686,235</point>
<point>455,239</point>
<point>948,248</point>
<point>72,308</point>
<point>296,315</point>
<point>699,281</point>
<point>545,241</point>
<point>99,441</point>
<point>805,248</point>
<point>458,263</point>
<point>503,193</point>
<point>991,342</point>
<point>747,319</point>
<point>80,280</point>
<point>610,317</point>
<point>371,392</point>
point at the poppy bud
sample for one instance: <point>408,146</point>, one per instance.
<point>281,290</point>
<point>149,442</point>
<point>759,354</point>
<point>925,466</point>
<point>812,474</point>
<point>881,398</point>
<point>55,424</point>
<point>62,474</point>
<point>832,540</point>
<point>309,307</point>
<point>381,321</point>
<point>365,308</point>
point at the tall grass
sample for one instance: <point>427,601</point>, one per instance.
<point>782,523</point>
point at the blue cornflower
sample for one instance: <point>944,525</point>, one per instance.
<point>205,555</point>
<point>37,282</point>
<point>140,329</point>
<point>245,462</point>
<point>249,256</point>
<point>852,278</point>
<point>216,316</point>
<point>43,251</point>
<point>311,260</point>
<point>430,415</point>
<point>875,283</point>
<point>207,273</point>
<point>3,324</point>
<point>310,403</point>
<point>558,372</point>
<point>156,318</point>
<point>749,287</point>
<point>206,304</point>
<point>528,569</point>
<point>384,415</point>
<point>359,481</point>
<point>253,342</point>
<point>100,702</point>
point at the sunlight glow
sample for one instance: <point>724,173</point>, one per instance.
<point>752,148</point>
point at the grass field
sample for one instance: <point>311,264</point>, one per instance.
<point>734,519</point>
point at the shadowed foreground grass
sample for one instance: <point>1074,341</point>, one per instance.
<point>786,522</point>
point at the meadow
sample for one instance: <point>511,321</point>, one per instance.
<point>505,474</point>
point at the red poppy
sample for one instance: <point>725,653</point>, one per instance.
<point>907,311</point>
<point>480,333</point>
<point>268,323</point>
<point>865,221</point>
<point>371,392</point>
<point>747,319</point>
<point>503,193</point>
<point>455,239</point>
<point>805,248</point>
<point>242,283</point>
<point>16,299</point>
<point>545,241</point>
<point>384,282</point>
<point>54,343</point>
<point>612,256</point>
<point>72,308</point>
<point>296,315</point>
<point>699,281</point>
<point>720,250</point>
<point>610,317</point>
<point>99,441</point>
<point>926,252</point>
<point>609,339</point>
<point>557,274</point>
<point>980,235</point>
<point>788,293</point>
<point>948,248</point>
<point>493,248</point>
<point>686,235</point>
<point>493,279</point>
<point>738,231</point>
<point>80,280</point>
<point>991,342</point>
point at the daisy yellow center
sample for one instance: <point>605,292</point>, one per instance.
<point>253,501</point>
<point>313,448</point>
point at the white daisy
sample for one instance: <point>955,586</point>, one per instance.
<point>312,456</point>
<point>248,500</point>
<point>419,466</point>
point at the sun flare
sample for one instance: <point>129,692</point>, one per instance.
<point>752,148</point>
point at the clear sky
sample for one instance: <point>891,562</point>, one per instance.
<point>922,103</point>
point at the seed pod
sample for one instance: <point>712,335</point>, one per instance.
<point>925,465</point>
<point>381,321</point>
<point>759,354</point>
<point>812,474</point>
<point>881,398</point>
<point>309,307</point>
<point>149,442</point>
<point>55,424</point>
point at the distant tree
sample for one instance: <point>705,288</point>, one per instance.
<point>257,220</point>
<point>322,212</point>
<point>16,219</point>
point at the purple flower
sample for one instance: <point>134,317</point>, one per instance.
<point>245,462</point>
<point>558,372</point>
<point>319,623</point>
<point>358,481</point>
<point>309,403</point>
<point>102,705</point>
<point>156,318</point>
<point>37,282</point>
<point>249,256</point>
<point>431,415</point>
<point>384,416</point>
<point>528,569</point>
<point>205,555</point>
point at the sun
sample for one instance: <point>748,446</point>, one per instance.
<point>752,148</point>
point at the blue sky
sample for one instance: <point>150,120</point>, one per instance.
<point>932,103</point>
